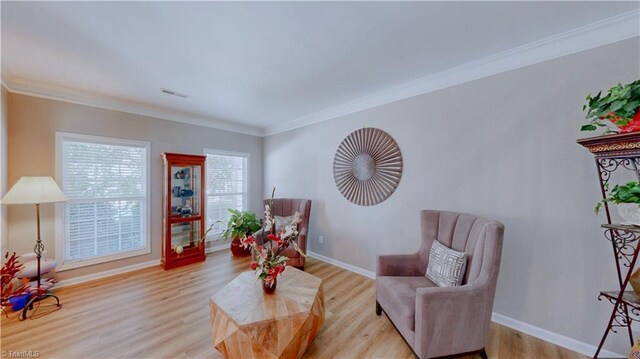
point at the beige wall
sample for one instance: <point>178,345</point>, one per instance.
<point>501,147</point>
<point>33,123</point>
<point>3,167</point>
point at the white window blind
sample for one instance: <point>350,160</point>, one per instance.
<point>226,187</point>
<point>105,181</point>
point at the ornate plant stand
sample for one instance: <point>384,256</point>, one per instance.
<point>613,153</point>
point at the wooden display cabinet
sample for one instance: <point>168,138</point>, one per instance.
<point>183,205</point>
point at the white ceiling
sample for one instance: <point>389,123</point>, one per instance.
<point>264,64</point>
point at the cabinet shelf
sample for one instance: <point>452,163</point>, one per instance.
<point>176,219</point>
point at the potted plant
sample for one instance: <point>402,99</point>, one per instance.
<point>627,199</point>
<point>618,111</point>
<point>240,225</point>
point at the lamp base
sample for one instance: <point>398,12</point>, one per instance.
<point>33,305</point>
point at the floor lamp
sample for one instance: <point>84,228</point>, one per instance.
<point>35,190</point>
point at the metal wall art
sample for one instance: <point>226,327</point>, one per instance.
<point>367,166</point>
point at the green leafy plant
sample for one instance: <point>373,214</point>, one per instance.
<point>241,223</point>
<point>620,106</point>
<point>626,193</point>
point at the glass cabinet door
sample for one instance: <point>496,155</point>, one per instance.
<point>185,234</point>
<point>185,191</point>
<point>183,199</point>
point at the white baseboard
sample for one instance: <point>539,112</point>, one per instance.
<point>131,268</point>
<point>218,248</point>
<point>109,273</point>
<point>342,265</point>
<point>543,334</point>
<point>554,338</point>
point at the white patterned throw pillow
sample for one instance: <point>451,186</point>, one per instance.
<point>446,267</point>
<point>282,222</point>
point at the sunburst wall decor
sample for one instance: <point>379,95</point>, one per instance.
<point>367,166</point>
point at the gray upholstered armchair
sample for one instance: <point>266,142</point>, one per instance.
<point>437,321</point>
<point>287,207</point>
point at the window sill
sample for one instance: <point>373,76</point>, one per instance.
<point>98,260</point>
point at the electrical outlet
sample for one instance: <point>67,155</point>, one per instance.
<point>320,239</point>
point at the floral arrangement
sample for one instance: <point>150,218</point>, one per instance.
<point>10,289</point>
<point>269,261</point>
<point>618,111</point>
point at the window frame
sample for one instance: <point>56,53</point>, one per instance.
<point>214,237</point>
<point>60,240</point>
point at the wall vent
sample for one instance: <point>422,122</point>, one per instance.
<point>174,93</point>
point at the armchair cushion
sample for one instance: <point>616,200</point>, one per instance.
<point>446,266</point>
<point>398,296</point>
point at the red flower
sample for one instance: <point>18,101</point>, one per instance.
<point>248,241</point>
<point>273,237</point>
<point>277,270</point>
<point>254,265</point>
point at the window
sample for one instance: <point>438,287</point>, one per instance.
<point>106,183</point>
<point>226,187</point>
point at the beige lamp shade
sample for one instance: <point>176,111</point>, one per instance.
<point>34,190</point>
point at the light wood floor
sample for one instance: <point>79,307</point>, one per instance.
<point>156,314</point>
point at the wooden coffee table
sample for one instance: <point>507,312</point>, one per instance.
<point>246,323</point>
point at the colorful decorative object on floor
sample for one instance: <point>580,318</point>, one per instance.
<point>269,261</point>
<point>11,287</point>
<point>617,112</point>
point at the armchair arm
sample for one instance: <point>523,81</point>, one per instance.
<point>404,265</point>
<point>462,314</point>
<point>259,236</point>
<point>302,239</point>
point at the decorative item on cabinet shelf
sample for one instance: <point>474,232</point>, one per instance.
<point>183,174</point>
<point>616,112</point>
<point>180,192</point>
<point>241,224</point>
<point>627,199</point>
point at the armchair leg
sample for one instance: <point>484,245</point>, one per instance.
<point>378,309</point>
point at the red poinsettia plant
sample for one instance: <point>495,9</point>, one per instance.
<point>269,262</point>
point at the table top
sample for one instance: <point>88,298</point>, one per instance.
<point>244,301</point>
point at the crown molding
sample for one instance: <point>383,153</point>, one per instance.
<point>53,92</point>
<point>607,31</point>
